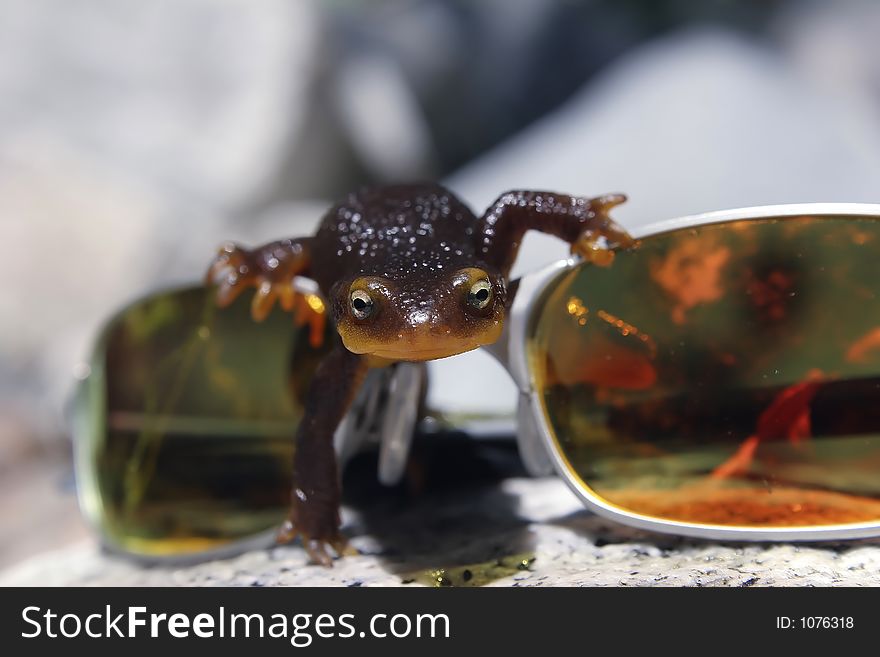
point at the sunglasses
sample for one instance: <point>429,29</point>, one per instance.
<point>722,381</point>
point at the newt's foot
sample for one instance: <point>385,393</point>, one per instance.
<point>317,534</point>
<point>316,548</point>
<point>271,270</point>
<point>602,234</point>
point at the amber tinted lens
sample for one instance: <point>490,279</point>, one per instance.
<point>725,375</point>
<point>185,434</point>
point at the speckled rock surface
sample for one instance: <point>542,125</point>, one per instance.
<point>536,524</point>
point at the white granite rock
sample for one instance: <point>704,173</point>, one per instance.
<point>522,519</point>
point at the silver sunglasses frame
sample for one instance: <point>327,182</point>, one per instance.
<point>390,423</point>
<point>538,447</point>
<point>383,415</point>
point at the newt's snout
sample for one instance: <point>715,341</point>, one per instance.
<point>415,322</point>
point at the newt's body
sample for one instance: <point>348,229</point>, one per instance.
<point>409,274</point>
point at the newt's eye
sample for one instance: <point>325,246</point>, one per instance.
<point>480,294</point>
<point>361,304</point>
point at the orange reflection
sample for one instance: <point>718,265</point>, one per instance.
<point>861,350</point>
<point>787,418</point>
<point>581,313</point>
<point>691,274</point>
<point>771,293</point>
<point>627,329</point>
<point>611,365</point>
<point>599,359</point>
<point>860,237</point>
<point>783,507</point>
<point>576,309</point>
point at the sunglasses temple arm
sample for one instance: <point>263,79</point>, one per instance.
<point>385,412</point>
<point>406,391</point>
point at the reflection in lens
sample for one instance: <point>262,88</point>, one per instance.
<point>192,421</point>
<point>725,375</point>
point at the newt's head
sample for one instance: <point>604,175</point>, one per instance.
<point>420,317</point>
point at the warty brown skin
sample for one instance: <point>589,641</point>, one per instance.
<point>409,274</point>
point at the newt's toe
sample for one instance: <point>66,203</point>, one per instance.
<point>316,548</point>
<point>317,551</point>
<point>593,249</point>
<point>287,533</point>
<point>342,547</point>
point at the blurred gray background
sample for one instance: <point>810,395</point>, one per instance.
<point>135,137</point>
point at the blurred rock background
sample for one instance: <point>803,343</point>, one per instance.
<point>134,137</point>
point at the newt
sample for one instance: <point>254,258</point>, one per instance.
<point>408,273</point>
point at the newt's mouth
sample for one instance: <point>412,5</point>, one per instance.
<point>429,338</point>
<point>419,345</point>
<point>403,353</point>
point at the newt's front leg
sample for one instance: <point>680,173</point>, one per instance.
<point>314,511</point>
<point>271,269</point>
<point>583,223</point>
